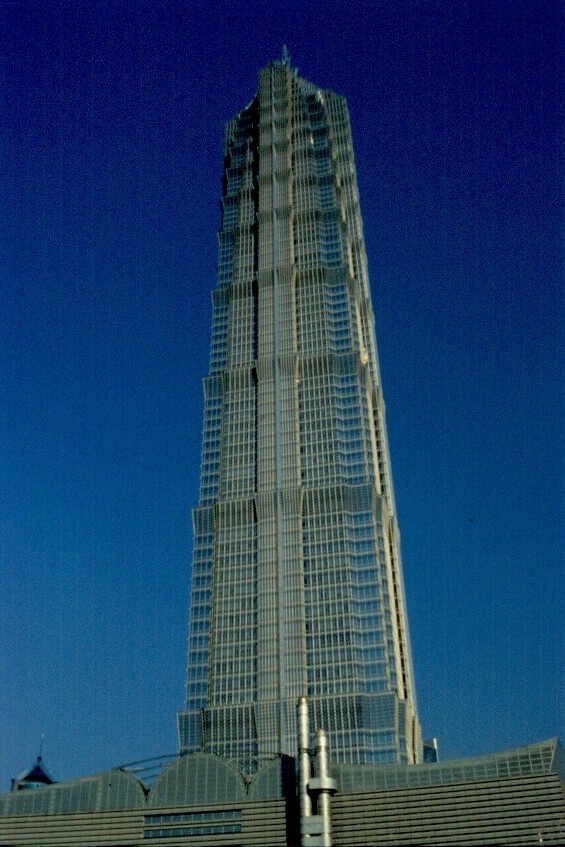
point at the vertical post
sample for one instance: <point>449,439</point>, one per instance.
<point>315,829</point>
<point>325,785</point>
<point>303,761</point>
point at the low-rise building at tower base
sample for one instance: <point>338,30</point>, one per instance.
<point>516,797</point>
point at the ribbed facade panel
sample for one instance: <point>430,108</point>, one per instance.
<point>518,811</point>
<point>102,829</point>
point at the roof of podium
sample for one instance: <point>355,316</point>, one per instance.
<point>201,779</point>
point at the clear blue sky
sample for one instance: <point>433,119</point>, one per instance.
<point>112,136</point>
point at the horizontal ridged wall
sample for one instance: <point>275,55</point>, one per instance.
<point>102,829</point>
<point>512,811</point>
<point>523,810</point>
<point>262,823</point>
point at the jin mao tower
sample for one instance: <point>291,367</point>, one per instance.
<point>296,580</point>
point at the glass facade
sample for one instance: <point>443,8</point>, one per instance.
<point>296,579</point>
<point>218,822</point>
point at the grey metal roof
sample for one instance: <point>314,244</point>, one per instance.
<point>203,779</point>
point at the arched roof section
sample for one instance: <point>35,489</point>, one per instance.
<point>198,779</point>
<point>115,789</point>
<point>267,783</point>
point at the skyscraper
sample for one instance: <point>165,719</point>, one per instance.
<point>297,584</point>
<point>296,580</point>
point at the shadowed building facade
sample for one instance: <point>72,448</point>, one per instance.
<point>296,580</point>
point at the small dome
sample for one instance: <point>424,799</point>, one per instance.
<point>35,777</point>
<point>198,778</point>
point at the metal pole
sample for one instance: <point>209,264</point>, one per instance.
<point>326,786</point>
<point>303,760</point>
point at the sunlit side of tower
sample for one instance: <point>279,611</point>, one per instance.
<point>296,579</point>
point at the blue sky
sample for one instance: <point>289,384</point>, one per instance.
<point>112,126</point>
